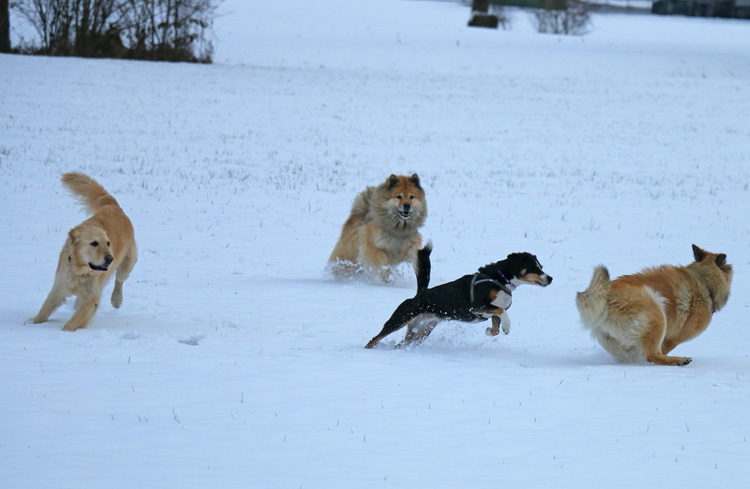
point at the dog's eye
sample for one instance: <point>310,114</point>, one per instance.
<point>399,197</point>
<point>107,244</point>
<point>94,244</point>
<point>411,197</point>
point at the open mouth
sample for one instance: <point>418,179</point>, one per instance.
<point>99,268</point>
<point>404,214</point>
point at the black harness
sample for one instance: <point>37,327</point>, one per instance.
<point>480,278</point>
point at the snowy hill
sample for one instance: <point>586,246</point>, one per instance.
<point>237,361</point>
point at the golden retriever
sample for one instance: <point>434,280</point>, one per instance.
<point>94,249</point>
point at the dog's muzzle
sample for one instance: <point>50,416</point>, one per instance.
<point>102,268</point>
<point>545,280</point>
<point>405,211</point>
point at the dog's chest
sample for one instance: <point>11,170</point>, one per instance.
<point>501,299</point>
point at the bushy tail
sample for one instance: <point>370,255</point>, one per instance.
<point>89,193</point>
<point>424,266</point>
<point>592,302</point>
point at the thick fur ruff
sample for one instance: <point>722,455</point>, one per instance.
<point>382,229</point>
<point>651,312</point>
<point>93,251</point>
<point>472,298</point>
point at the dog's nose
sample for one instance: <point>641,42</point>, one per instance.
<point>550,279</point>
<point>108,259</point>
<point>407,206</point>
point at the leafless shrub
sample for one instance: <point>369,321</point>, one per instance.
<point>573,20</point>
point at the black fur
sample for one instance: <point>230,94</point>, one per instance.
<point>455,300</point>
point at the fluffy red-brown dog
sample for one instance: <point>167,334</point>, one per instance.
<point>382,228</point>
<point>653,311</point>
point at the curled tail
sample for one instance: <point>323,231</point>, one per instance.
<point>88,191</point>
<point>424,266</point>
<point>592,302</point>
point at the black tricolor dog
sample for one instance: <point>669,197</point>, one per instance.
<point>472,298</point>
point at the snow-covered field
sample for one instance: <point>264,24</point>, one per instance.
<point>236,361</point>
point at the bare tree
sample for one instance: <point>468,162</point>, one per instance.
<point>172,30</point>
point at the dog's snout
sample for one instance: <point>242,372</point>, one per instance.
<point>549,279</point>
<point>108,259</point>
<point>407,206</point>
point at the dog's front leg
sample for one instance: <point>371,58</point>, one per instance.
<point>506,322</point>
<point>495,329</point>
<point>87,306</point>
<point>53,301</point>
<point>496,313</point>
<point>497,319</point>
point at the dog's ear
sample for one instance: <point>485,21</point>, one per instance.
<point>415,180</point>
<point>721,260</point>
<point>74,234</point>
<point>698,253</point>
<point>392,181</point>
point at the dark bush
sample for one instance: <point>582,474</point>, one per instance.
<point>159,30</point>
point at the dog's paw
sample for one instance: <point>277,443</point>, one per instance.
<point>492,331</point>
<point>386,275</point>
<point>684,361</point>
<point>71,327</point>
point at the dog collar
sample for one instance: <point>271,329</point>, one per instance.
<point>508,282</point>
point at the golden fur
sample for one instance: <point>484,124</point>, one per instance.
<point>92,252</point>
<point>651,312</point>
<point>382,228</point>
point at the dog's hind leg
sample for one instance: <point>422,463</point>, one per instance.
<point>418,329</point>
<point>123,272</point>
<point>652,337</point>
<point>404,313</point>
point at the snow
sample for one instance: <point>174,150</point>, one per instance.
<point>236,360</point>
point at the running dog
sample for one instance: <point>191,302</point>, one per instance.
<point>95,249</point>
<point>472,298</point>
<point>651,312</point>
<point>382,228</point>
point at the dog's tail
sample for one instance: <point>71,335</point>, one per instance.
<point>88,191</point>
<point>424,266</point>
<point>592,302</point>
